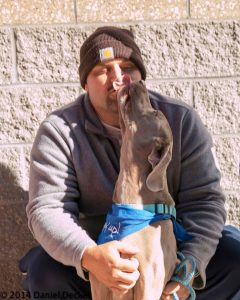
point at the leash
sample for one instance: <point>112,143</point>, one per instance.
<point>185,276</point>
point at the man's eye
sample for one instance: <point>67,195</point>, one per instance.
<point>101,71</point>
<point>128,68</point>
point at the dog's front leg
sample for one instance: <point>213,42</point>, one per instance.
<point>101,292</point>
<point>157,259</point>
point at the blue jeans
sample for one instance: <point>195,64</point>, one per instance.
<point>49,279</point>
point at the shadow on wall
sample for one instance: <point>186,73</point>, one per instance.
<point>10,190</point>
<point>15,236</point>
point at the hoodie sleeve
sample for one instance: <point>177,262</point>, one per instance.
<point>52,210</point>
<point>200,203</point>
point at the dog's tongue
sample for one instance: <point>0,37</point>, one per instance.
<point>125,81</point>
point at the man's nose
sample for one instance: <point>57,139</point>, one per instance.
<point>116,74</point>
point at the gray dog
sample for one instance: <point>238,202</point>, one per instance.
<point>145,154</point>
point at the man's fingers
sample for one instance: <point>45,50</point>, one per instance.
<point>175,287</point>
<point>127,262</point>
<point>171,287</point>
<point>122,281</point>
<point>125,277</point>
<point>122,287</point>
<point>127,249</point>
<point>128,265</point>
<point>118,261</point>
<point>168,297</point>
<point>129,278</point>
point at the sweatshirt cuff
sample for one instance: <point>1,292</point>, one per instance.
<point>83,273</point>
<point>200,277</point>
<point>199,281</point>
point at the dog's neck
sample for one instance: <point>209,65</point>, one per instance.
<point>145,151</point>
<point>131,185</point>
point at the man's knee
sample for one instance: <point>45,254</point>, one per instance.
<point>44,273</point>
<point>47,277</point>
<point>223,268</point>
<point>228,250</point>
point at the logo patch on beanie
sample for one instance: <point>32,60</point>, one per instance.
<point>106,53</point>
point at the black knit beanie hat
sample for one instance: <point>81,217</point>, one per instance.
<point>109,43</point>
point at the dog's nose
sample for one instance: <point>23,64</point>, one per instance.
<point>124,81</point>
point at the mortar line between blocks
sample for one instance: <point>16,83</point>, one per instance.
<point>41,84</point>
<point>152,80</point>
<point>228,191</point>
<point>194,79</point>
<point>188,9</point>
<point>14,73</point>
<point>15,145</point>
<point>12,203</point>
<point>226,135</point>
<point>75,10</point>
<point>119,23</point>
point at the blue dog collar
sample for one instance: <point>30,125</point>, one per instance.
<point>161,209</point>
<point>157,208</point>
<point>123,220</point>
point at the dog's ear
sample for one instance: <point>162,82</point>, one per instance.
<point>159,158</point>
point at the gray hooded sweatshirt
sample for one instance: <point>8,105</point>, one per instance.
<point>74,167</point>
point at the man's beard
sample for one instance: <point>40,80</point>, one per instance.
<point>111,103</point>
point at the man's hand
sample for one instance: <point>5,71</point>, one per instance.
<point>113,264</point>
<point>175,287</point>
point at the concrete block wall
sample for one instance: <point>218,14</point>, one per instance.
<point>192,52</point>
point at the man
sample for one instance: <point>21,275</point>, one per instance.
<point>74,166</point>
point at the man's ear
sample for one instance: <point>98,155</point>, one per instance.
<point>159,158</point>
<point>86,87</point>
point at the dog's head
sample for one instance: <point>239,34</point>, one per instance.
<point>147,131</point>
<point>133,102</point>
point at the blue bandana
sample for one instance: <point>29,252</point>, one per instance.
<point>123,220</point>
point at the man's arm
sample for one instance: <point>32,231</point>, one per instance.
<point>200,203</point>
<point>53,216</point>
<point>52,210</point>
